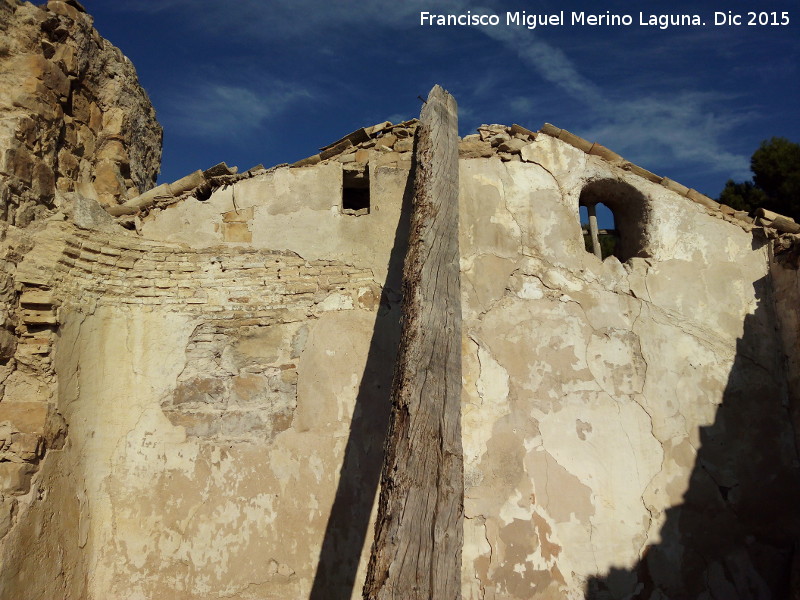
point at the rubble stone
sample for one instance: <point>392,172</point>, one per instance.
<point>15,478</point>
<point>8,507</point>
<point>87,213</point>
<point>387,140</point>
<point>48,48</point>
<point>307,162</point>
<point>234,350</point>
<point>513,145</point>
<point>522,132</point>
<point>404,145</point>
<point>27,417</point>
<point>474,149</point>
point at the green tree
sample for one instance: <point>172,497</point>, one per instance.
<point>776,180</point>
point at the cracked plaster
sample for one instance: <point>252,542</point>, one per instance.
<point>591,394</point>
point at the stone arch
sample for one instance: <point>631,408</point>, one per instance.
<point>630,209</point>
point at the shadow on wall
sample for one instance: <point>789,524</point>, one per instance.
<point>735,536</point>
<point>359,478</point>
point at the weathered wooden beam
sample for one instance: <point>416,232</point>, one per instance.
<point>785,224</point>
<point>416,553</point>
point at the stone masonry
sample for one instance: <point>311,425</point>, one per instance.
<point>195,376</point>
<point>73,117</point>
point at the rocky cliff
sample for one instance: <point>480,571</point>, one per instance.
<point>74,124</point>
<point>73,116</point>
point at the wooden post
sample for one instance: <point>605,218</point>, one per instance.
<point>416,553</point>
<point>592,210</point>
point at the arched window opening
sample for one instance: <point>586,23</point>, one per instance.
<point>599,233</point>
<point>613,216</point>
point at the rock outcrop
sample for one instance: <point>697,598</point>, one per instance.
<point>216,383</point>
<point>76,129</point>
<point>73,117</point>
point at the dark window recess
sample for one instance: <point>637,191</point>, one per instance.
<point>607,235</point>
<point>614,217</point>
<point>203,192</point>
<point>355,192</point>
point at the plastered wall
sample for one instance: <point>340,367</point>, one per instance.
<point>626,425</point>
<point>226,393</point>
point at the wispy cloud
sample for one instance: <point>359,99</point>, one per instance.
<point>680,127</point>
<point>522,104</point>
<point>398,118</point>
<point>284,18</point>
<point>655,129</point>
<point>216,109</point>
<point>548,61</point>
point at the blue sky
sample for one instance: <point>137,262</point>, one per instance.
<point>270,81</point>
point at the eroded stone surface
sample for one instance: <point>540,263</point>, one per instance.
<point>199,410</point>
<point>593,430</point>
<point>603,416</point>
<point>620,387</point>
<point>72,114</point>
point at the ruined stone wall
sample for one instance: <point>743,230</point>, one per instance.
<point>217,336</point>
<point>74,123</point>
<point>209,395</point>
<point>198,408</point>
<point>296,209</point>
<point>626,426</point>
<point>785,277</point>
<point>225,383</point>
<point>72,114</point>
<point>786,280</point>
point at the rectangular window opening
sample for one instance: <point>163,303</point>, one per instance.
<point>355,192</point>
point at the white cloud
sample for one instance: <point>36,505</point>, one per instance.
<point>657,130</point>
<point>679,128</point>
<point>398,118</point>
<point>549,62</point>
<point>522,104</point>
<point>284,18</point>
<point>216,109</point>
